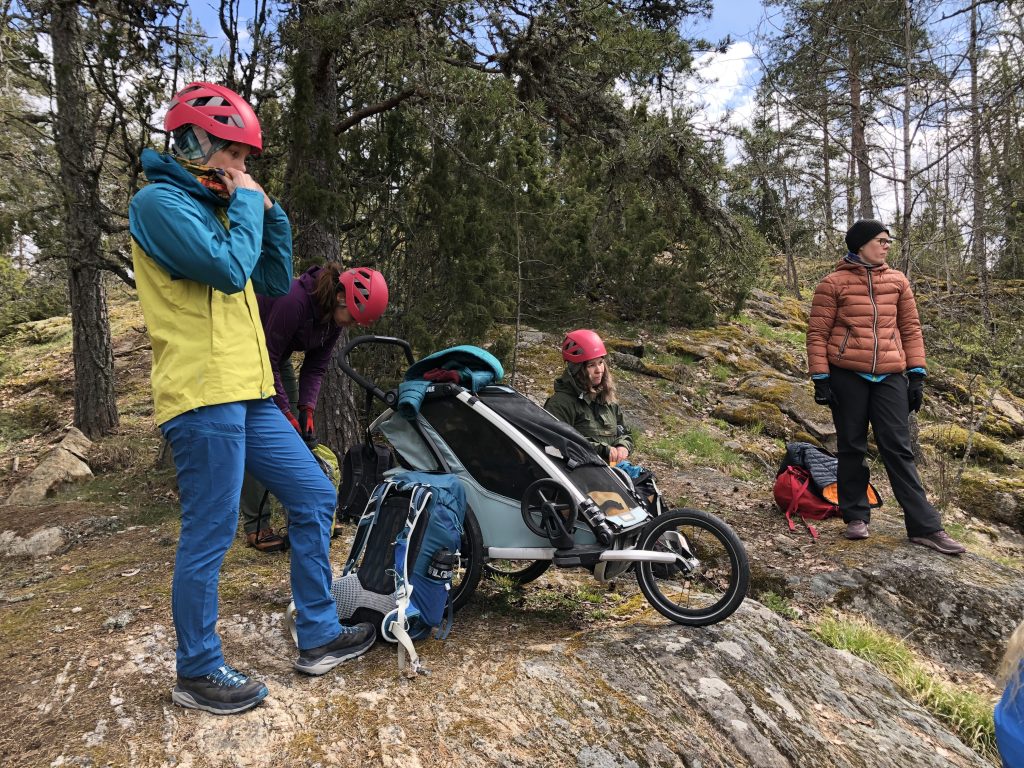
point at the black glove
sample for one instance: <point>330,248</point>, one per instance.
<point>915,390</point>
<point>822,392</point>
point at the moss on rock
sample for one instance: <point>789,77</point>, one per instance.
<point>769,389</point>
<point>952,439</point>
<point>805,437</point>
<point>748,413</point>
<point>999,427</point>
<point>989,496</point>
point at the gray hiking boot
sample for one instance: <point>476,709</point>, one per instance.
<point>857,529</point>
<point>225,691</point>
<point>350,643</point>
<point>940,541</point>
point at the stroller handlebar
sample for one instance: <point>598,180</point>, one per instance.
<point>359,378</point>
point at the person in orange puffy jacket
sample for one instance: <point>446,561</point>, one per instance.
<point>865,352</point>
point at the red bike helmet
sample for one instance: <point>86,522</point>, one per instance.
<point>581,346</point>
<point>217,110</point>
<point>366,293</point>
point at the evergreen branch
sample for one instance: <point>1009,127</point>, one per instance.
<point>375,109</point>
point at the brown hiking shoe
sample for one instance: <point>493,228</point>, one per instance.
<point>940,541</point>
<point>265,541</point>
<point>857,529</point>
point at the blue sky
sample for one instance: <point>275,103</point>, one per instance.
<point>727,81</point>
<point>736,17</point>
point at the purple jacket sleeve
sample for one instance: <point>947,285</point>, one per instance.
<point>281,323</point>
<point>314,366</point>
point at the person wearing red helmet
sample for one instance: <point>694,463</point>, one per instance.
<point>309,319</point>
<point>205,240</point>
<point>584,396</point>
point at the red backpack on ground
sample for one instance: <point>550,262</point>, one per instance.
<point>806,485</point>
<point>794,495</point>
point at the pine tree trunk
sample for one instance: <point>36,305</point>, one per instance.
<point>313,174</point>
<point>337,412</point>
<point>826,171</point>
<point>93,353</point>
<point>977,179</point>
<point>851,171</point>
<point>905,253</point>
<point>858,138</point>
<point>95,401</point>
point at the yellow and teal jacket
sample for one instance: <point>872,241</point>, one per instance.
<point>199,261</point>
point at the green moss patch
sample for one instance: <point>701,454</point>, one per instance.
<point>953,440</point>
<point>988,496</point>
<point>761,417</point>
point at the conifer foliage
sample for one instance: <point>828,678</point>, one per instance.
<point>498,161</point>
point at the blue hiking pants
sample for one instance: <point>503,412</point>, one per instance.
<point>213,447</point>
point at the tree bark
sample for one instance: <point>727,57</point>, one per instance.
<point>908,82</point>
<point>826,170</point>
<point>978,181</point>
<point>310,181</point>
<point>858,138</point>
<point>95,400</point>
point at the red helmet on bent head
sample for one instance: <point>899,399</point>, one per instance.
<point>581,346</point>
<point>366,293</point>
<point>217,110</point>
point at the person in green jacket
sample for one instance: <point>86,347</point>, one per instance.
<point>584,397</point>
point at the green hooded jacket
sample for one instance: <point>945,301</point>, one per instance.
<point>600,423</point>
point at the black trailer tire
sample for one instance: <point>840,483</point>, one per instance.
<point>472,555</point>
<point>712,592</point>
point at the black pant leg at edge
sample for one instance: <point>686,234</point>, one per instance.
<point>850,393</point>
<point>889,413</point>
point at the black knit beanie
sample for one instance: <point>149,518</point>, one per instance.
<point>862,232</point>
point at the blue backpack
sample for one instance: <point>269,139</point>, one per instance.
<point>404,556</point>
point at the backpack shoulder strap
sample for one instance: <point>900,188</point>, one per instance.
<point>396,623</point>
<point>351,469</point>
<point>365,525</point>
<point>382,459</point>
<point>799,478</point>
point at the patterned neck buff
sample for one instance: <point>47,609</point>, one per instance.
<point>854,258</point>
<point>207,176</point>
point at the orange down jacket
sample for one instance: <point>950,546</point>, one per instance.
<point>864,320</point>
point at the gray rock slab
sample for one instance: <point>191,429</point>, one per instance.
<point>63,465</point>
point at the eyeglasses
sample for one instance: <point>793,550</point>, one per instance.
<point>883,241</point>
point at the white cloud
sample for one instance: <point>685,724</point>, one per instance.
<point>723,84</point>
<point>716,93</point>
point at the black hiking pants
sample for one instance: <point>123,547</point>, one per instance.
<point>856,401</point>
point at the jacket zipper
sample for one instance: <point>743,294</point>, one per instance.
<point>874,322</point>
<point>846,340</point>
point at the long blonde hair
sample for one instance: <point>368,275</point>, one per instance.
<point>605,392</point>
<point>1009,670</point>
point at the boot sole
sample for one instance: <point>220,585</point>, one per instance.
<point>191,701</point>
<point>931,545</point>
<point>329,661</point>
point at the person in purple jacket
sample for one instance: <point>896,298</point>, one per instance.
<point>308,319</point>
